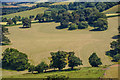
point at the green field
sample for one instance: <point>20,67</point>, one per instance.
<point>27,13</point>
<point>87,72</point>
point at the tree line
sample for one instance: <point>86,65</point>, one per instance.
<point>15,60</point>
<point>101,6</point>
<point>78,19</point>
<point>3,39</point>
<point>114,52</point>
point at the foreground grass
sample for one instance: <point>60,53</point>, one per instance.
<point>84,72</point>
<point>112,71</point>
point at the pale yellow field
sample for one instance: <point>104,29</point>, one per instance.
<point>42,38</point>
<point>28,5</point>
<point>61,3</point>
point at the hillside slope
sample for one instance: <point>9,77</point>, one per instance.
<point>114,9</point>
<point>27,13</point>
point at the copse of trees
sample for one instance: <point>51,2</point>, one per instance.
<point>115,49</point>
<point>60,58</point>
<point>15,60</point>
<point>94,60</point>
<point>3,39</point>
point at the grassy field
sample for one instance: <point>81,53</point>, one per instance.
<point>82,73</point>
<point>26,13</point>
<point>114,9</point>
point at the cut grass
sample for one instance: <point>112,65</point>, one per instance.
<point>82,73</point>
<point>42,38</point>
<point>27,13</point>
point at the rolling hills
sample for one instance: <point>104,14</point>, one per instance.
<point>27,13</point>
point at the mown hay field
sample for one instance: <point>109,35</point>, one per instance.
<point>42,38</point>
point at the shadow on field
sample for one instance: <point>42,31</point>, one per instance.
<point>116,37</point>
<point>95,29</point>
<point>24,27</point>
<point>3,44</point>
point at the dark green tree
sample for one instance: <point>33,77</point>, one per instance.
<point>31,68</point>
<point>94,60</point>
<point>15,60</point>
<point>74,61</point>
<point>15,20</point>
<point>101,23</point>
<point>58,59</point>
<point>64,24</point>
<point>26,23</point>
<point>41,67</point>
